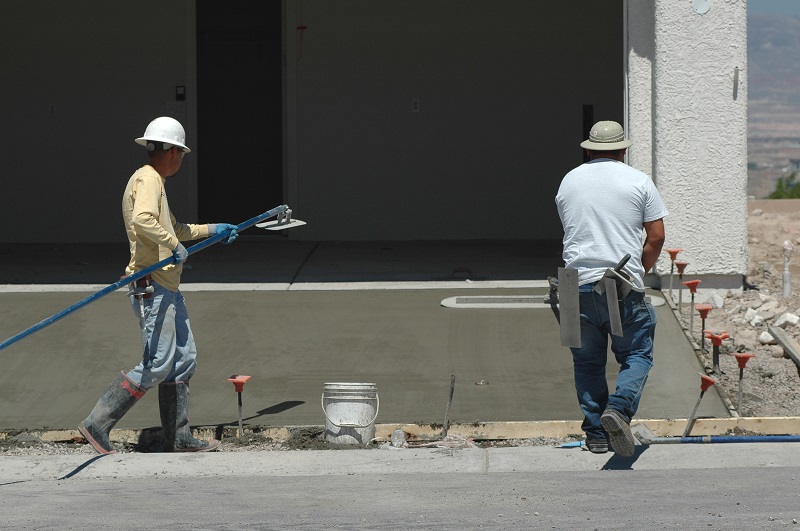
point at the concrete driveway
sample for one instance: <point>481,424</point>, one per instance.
<point>295,315</point>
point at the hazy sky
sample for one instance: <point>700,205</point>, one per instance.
<point>782,7</point>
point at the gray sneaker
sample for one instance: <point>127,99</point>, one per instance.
<point>619,432</point>
<point>597,446</point>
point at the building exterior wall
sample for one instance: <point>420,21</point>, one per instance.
<point>640,63</point>
<point>81,80</point>
<point>499,87</point>
<point>500,91</point>
<point>695,66</point>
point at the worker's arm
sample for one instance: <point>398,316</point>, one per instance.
<point>653,243</point>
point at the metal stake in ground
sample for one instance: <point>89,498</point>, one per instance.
<point>788,249</point>
<point>742,360</point>
<point>673,254</point>
<point>692,285</point>
<point>681,266</point>
<point>446,425</point>
<point>238,381</point>
<point>705,383</point>
<point>716,340</point>
<point>703,309</point>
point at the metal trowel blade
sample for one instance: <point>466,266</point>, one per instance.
<point>642,433</point>
<point>280,224</point>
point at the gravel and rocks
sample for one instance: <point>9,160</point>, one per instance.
<point>770,385</point>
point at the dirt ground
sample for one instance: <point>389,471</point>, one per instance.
<point>770,385</point>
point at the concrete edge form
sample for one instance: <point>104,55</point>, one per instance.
<point>497,431</point>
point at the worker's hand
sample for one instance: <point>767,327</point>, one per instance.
<point>219,228</point>
<point>180,254</point>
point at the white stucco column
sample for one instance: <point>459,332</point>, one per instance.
<point>639,67</point>
<point>697,105</point>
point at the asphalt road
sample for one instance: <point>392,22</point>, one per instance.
<point>722,486</point>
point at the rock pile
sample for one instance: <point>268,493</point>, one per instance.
<point>771,384</point>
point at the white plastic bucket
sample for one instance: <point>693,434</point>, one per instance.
<point>350,411</point>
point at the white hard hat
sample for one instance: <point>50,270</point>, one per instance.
<point>606,136</point>
<point>164,129</point>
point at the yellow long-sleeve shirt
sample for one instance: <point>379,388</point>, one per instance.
<point>152,230</point>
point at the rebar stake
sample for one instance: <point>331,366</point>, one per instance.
<point>238,381</point>
<point>692,285</point>
<point>703,309</point>
<point>673,254</point>
<point>446,425</point>
<point>705,383</point>
<point>788,249</point>
<point>742,359</point>
<point>681,266</point>
<point>716,340</point>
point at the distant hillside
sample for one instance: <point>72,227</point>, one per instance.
<point>773,49</point>
<point>773,106</point>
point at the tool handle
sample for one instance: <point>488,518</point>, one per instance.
<point>137,275</point>
<point>622,263</point>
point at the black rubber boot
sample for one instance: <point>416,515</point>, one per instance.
<point>117,400</point>
<point>173,404</point>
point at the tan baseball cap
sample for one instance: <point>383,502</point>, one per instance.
<point>606,136</point>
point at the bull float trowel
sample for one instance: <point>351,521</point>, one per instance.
<point>282,221</point>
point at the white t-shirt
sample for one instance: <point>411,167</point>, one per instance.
<point>603,206</point>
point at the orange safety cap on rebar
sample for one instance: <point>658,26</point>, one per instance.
<point>692,285</point>
<point>681,266</point>
<point>238,381</point>
<point>673,253</point>
<point>743,358</point>
<point>717,337</point>
<point>706,381</point>
<point>703,308</point>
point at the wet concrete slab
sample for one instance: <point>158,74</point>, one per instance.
<point>293,341</point>
<point>296,315</point>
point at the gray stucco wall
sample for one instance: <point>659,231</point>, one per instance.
<point>500,88</point>
<point>81,80</point>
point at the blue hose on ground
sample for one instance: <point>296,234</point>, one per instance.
<point>121,283</point>
<point>708,439</point>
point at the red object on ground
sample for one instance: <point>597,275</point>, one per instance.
<point>706,382</point>
<point>673,253</point>
<point>692,285</point>
<point>238,381</point>
<point>743,359</point>
<point>681,266</point>
<point>717,337</point>
<point>703,308</point>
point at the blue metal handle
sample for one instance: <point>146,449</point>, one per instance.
<point>139,274</point>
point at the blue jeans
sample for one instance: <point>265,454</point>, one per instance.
<point>168,350</point>
<point>633,351</point>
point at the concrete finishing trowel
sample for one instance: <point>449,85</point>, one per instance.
<point>283,221</point>
<point>616,284</point>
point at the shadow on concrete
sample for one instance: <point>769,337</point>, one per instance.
<point>618,462</point>
<point>81,467</point>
